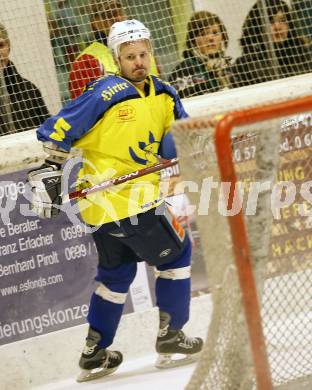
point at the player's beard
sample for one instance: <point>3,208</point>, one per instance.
<point>139,75</point>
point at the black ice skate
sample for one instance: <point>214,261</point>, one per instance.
<point>96,361</point>
<point>174,348</point>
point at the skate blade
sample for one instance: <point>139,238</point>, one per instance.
<point>175,360</point>
<point>95,373</point>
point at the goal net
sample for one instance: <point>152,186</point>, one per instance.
<point>252,41</point>
<point>248,175</point>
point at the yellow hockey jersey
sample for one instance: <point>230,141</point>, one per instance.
<point>119,130</point>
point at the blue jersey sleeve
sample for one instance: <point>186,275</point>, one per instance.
<point>167,147</point>
<point>164,87</point>
<point>80,115</point>
<point>179,111</point>
<point>73,121</point>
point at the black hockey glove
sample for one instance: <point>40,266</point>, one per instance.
<point>46,188</point>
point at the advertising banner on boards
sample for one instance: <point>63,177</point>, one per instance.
<point>291,239</point>
<point>47,269</point>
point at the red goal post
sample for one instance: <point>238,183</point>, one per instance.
<point>194,138</point>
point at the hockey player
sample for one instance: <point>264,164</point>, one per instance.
<point>121,123</point>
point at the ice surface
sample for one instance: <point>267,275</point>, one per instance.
<point>137,374</point>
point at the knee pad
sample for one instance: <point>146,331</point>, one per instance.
<point>116,280</point>
<point>173,288</point>
<point>108,300</point>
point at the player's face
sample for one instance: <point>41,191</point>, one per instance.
<point>210,40</point>
<point>135,60</point>
<point>279,27</point>
<point>4,53</point>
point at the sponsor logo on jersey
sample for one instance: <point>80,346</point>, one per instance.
<point>126,113</point>
<point>109,92</point>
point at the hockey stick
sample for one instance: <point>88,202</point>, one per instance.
<point>162,164</point>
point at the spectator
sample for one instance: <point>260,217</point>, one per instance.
<point>303,10</point>
<point>204,67</point>
<point>67,30</point>
<point>65,39</point>
<point>21,104</point>
<point>96,59</point>
<point>270,51</point>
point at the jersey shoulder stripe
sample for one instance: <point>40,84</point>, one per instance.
<point>164,87</point>
<point>111,89</point>
<point>80,115</point>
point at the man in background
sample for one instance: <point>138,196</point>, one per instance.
<point>21,104</point>
<point>96,59</point>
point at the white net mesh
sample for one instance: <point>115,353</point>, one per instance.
<point>200,47</point>
<point>278,219</point>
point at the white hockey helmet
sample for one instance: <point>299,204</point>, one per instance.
<point>126,31</point>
